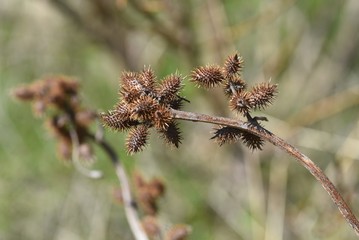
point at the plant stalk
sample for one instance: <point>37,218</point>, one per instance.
<point>280,143</point>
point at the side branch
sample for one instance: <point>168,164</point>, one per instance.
<point>280,143</point>
<point>130,208</point>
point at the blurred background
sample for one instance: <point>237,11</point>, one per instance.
<point>309,47</point>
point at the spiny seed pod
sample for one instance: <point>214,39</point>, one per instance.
<point>234,86</point>
<point>263,94</point>
<point>130,81</point>
<point>148,78</point>
<point>233,65</point>
<point>252,141</point>
<point>171,134</point>
<point>241,102</point>
<point>162,117</point>
<point>129,96</point>
<point>144,108</point>
<point>208,76</point>
<point>123,110</point>
<point>176,103</point>
<point>115,120</point>
<point>224,135</point>
<point>137,138</point>
<point>169,87</point>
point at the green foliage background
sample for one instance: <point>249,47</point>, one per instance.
<point>310,48</point>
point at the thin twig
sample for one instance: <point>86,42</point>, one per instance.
<point>280,143</point>
<point>129,204</point>
<point>94,174</point>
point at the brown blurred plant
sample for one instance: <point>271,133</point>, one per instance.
<point>56,99</point>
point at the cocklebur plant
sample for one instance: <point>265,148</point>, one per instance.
<point>146,103</point>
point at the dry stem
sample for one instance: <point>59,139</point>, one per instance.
<point>280,143</point>
<point>128,202</point>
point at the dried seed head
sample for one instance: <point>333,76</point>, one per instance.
<point>85,117</point>
<point>252,141</point>
<point>234,86</point>
<point>24,93</point>
<point>169,88</point>
<point>233,65</point>
<point>136,139</point>
<point>171,134</point>
<point>208,76</point>
<point>59,92</point>
<point>156,188</point>
<point>263,94</point>
<point>148,193</point>
<point>224,135</point>
<point>241,102</point>
<point>178,232</point>
<point>68,86</point>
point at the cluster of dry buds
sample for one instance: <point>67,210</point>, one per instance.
<point>59,96</point>
<point>144,104</point>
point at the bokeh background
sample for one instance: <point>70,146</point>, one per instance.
<point>309,47</point>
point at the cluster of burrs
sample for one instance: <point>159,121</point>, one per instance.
<point>241,100</point>
<point>144,104</point>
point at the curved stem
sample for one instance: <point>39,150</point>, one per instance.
<point>94,174</point>
<point>280,143</point>
<point>129,204</point>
